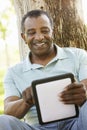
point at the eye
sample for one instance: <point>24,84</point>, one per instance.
<point>30,33</point>
<point>45,31</point>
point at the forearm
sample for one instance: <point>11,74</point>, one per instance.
<point>17,108</point>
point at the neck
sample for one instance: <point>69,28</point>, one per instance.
<point>43,59</point>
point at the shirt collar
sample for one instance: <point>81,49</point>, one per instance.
<point>60,53</point>
<point>27,65</point>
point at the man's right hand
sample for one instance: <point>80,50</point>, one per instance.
<point>28,96</point>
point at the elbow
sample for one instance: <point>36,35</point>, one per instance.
<point>11,113</point>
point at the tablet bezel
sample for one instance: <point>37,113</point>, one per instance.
<point>46,80</point>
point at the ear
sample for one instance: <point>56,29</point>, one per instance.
<point>23,37</point>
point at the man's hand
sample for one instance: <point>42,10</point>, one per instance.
<point>74,94</point>
<point>28,96</point>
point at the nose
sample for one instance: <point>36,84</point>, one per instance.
<point>39,36</point>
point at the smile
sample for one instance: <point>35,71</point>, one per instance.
<point>40,44</point>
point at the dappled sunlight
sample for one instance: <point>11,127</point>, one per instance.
<point>82,10</point>
<point>9,49</point>
<point>9,45</point>
<point>84,2</point>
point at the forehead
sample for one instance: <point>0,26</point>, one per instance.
<point>37,22</point>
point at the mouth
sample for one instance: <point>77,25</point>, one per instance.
<point>40,44</point>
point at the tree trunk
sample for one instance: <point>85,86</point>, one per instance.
<point>69,29</point>
<point>21,7</point>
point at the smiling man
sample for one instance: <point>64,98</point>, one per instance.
<point>45,59</point>
<point>38,36</point>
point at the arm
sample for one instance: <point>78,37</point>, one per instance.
<point>17,107</point>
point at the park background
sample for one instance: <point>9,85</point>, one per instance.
<point>9,47</point>
<point>9,42</point>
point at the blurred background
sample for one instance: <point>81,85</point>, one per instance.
<point>9,47</point>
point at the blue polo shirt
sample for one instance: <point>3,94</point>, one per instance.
<point>20,76</point>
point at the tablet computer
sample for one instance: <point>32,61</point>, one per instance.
<point>49,107</point>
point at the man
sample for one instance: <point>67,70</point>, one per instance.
<point>45,59</point>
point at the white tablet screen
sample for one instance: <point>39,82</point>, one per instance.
<point>51,107</point>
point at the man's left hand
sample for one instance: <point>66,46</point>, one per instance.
<point>74,94</point>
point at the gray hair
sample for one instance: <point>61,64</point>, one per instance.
<point>35,13</point>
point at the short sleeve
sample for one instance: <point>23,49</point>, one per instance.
<point>10,88</point>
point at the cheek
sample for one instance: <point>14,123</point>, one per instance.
<point>30,43</point>
<point>29,40</point>
<point>49,38</point>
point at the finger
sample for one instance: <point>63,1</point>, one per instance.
<point>73,92</point>
<point>24,95</point>
<point>76,102</point>
<point>77,99</point>
<point>27,96</point>
<point>85,89</point>
<point>74,86</point>
<point>73,97</point>
<point>74,89</point>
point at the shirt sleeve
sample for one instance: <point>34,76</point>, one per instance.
<point>10,88</point>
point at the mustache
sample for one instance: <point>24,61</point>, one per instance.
<point>41,41</point>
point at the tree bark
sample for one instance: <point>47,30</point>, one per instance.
<point>69,29</point>
<point>21,7</point>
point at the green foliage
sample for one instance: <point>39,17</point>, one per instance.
<point>8,53</point>
<point>2,72</point>
<point>3,30</point>
<point>1,98</point>
<point>5,20</point>
<point>1,89</point>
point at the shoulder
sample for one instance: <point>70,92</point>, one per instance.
<point>17,68</point>
<point>75,51</point>
<point>72,52</point>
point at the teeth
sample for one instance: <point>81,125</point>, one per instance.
<point>40,44</point>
